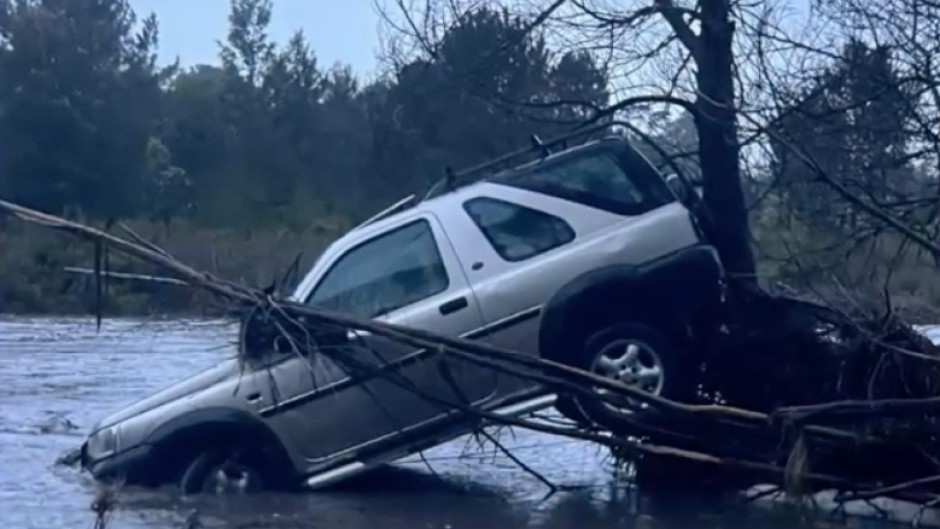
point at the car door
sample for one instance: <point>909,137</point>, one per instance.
<point>404,273</point>
<point>504,239</point>
<point>508,241</point>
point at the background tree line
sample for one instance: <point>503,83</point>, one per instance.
<point>264,150</point>
<point>237,166</point>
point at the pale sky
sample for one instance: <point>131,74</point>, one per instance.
<point>339,31</point>
<point>342,31</point>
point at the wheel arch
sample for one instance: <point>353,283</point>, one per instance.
<point>668,293</point>
<point>185,436</point>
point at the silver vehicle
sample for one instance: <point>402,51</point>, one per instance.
<point>586,255</point>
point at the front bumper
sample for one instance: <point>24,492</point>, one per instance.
<point>134,465</point>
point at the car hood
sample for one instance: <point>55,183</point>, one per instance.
<point>189,386</point>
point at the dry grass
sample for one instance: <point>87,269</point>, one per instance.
<point>33,280</point>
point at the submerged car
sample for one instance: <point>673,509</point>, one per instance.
<point>586,255</point>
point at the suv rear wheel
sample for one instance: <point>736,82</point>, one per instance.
<point>633,354</point>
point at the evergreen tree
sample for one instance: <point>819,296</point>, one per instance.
<point>80,95</point>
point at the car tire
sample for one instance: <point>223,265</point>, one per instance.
<point>635,354</point>
<point>222,471</point>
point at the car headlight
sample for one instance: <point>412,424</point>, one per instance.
<point>102,443</point>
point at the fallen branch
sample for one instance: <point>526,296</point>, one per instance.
<point>125,275</point>
<point>852,443</point>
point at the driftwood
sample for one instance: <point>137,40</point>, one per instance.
<point>796,394</point>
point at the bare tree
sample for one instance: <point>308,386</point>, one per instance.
<point>851,123</point>
<point>705,37</point>
<point>741,71</point>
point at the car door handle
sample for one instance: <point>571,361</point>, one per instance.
<point>454,305</point>
<point>354,335</point>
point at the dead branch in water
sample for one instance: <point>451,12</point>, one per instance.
<point>104,504</point>
<point>854,408</point>
<point>125,275</point>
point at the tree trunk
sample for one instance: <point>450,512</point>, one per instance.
<point>718,142</point>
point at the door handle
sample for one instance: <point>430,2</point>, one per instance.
<point>454,305</point>
<point>354,335</point>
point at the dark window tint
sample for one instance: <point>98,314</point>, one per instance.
<point>518,232</point>
<point>383,274</point>
<point>599,180</point>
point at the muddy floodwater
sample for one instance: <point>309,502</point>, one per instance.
<point>59,376</point>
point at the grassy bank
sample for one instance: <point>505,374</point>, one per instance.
<point>33,279</point>
<point>848,269</point>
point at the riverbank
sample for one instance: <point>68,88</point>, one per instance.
<point>34,279</point>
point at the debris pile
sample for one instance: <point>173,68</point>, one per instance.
<point>809,398</point>
<point>794,394</point>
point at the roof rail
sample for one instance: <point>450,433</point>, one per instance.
<point>543,148</point>
<point>453,180</point>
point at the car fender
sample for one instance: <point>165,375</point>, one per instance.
<point>187,434</point>
<point>668,293</point>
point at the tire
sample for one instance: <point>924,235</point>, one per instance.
<point>649,348</point>
<point>660,474</point>
<point>223,471</point>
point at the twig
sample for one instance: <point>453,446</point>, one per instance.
<point>551,486</point>
<point>126,275</point>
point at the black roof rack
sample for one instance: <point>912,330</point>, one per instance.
<point>452,180</point>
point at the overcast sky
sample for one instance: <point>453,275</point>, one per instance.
<point>338,30</point>
<point>343,31</point>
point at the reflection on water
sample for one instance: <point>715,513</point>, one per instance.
<point>57,377</point>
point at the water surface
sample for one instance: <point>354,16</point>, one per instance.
<point>59,376</point>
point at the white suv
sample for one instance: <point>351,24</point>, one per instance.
<point>585,256</point>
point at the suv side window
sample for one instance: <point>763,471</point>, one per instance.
<point>385,273</point>
<point>517,232</point>
<point>599,180</point>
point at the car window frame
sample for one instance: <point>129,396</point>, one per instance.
<point>632,164</point>
<point>374,237</point>
<point>465,204</point>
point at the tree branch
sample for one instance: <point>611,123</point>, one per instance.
<point>673,16</point>
<point>640,100</point>
<point>853,199</point>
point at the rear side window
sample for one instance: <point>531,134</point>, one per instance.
<point>517,232</point>
<point>598,180</point>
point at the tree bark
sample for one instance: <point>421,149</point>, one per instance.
<point>719,149</point>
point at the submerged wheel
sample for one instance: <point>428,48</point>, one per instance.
<point>222,472</point>
<point>635,355</point>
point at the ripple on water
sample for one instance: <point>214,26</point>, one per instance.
<point>59,376</point>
